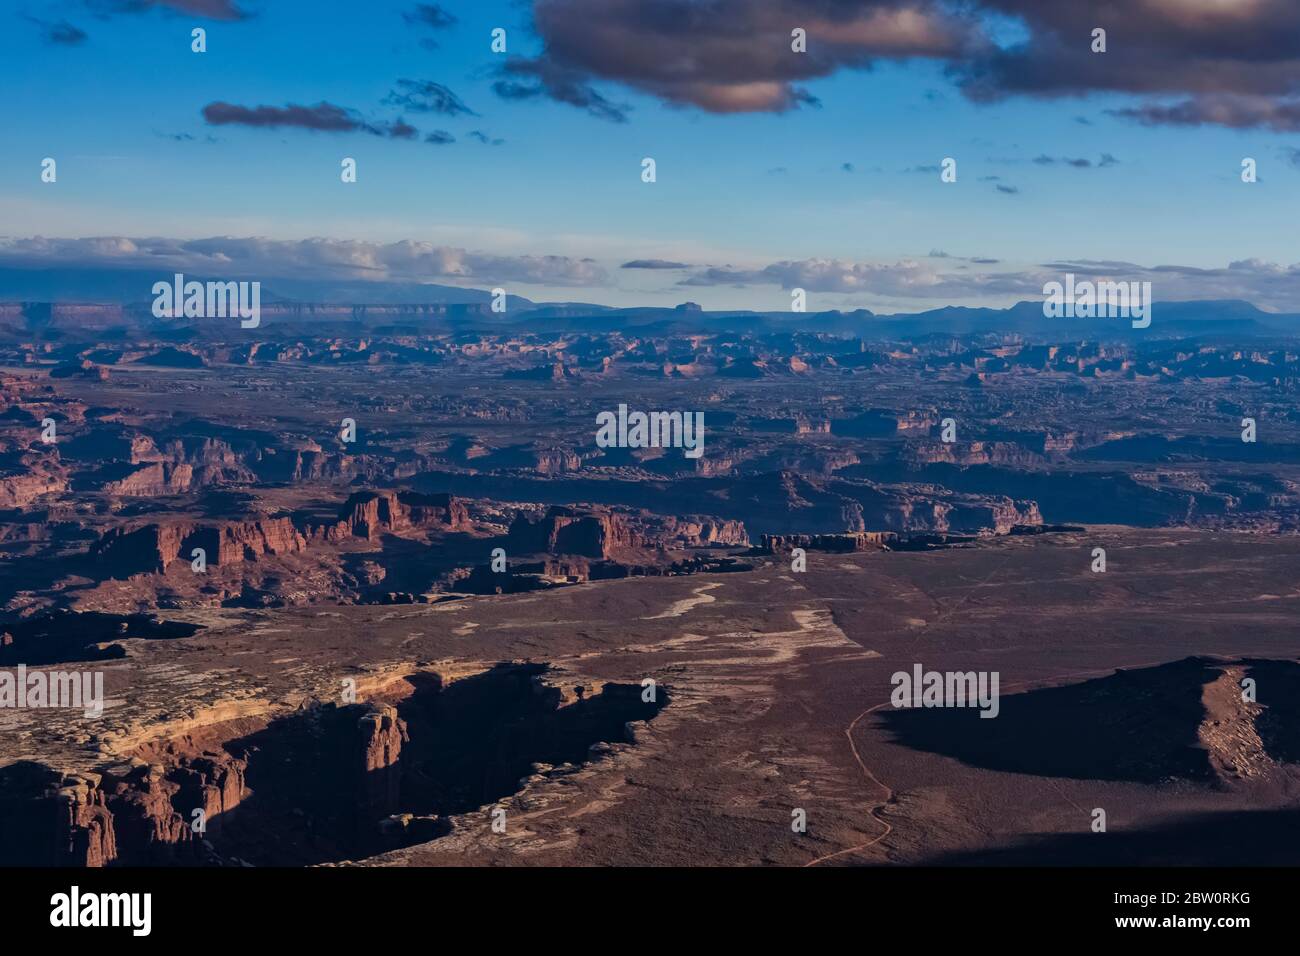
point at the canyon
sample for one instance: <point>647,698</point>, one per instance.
<point>459,631</point>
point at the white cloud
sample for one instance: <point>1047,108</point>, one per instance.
<point>304,259</point>
<point>1268,285</point>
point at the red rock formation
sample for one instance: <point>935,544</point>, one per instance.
<point>853,541</point>
<point>125,814</point>
<point>145,825</point>
<point>1007,454</point>
<point>997,514</point>
<point>84,828</point>
<point>382,734</point>
<point>553,461</point>
<point>369,514</point>
<point>141,449</point>
<point>152,480</point>
<point>154,547</point>
<point>592,534</point>
<point>213,783</point>
<point>48,818</point>
<point>694,531</point>
<point>82,369</point>
<point>602,533</point>
<point>17,491</point>
<point>304,464</point>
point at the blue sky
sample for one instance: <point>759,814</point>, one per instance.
<point>122,112</point>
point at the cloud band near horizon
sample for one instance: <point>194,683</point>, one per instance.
<point>937,277</point>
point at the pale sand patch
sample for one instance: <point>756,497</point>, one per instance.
<point>681,607</point>
<point>816,628</point>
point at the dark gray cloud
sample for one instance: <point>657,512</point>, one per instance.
<point>1008,190</point>
<point>209,9</point>
<point>1045,160</point>
<point>523,79</point>
<point>58,32</point>
<point>399,129</point>
<point>429,15</point>
<point>733,56</point>
<point>187,137</point>
<point>323,117</point>
<point>425,96</point>
<point>440,137</point>
<point>653,264</point>
<point>1192,61</point>
<point>1232,63</point>
<point>479,136</point>
<point>1237,112</point>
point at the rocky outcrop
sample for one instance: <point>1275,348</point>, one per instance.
<point>382,734</point>
<point>995,514</point>
<point>143,812</point>
<point>563,530</point>
<point>692,531</point>
<point>715,465</point>
<point>48,818</point>
<point>309,463</point>
<point>18,491</point>
<point>602,533</point>
<point>82,369</point>
<point>147,829</point>
<point>211,460</point>
<point>553,461</point>
<point>840,543</point>
<point>155,547</point>
<point>128,813</point>
<point>555,372</point>
<point>84,834</point>
<point>152,548</point>
<point>971,453</point>
<point>213,783</point>
<point>370,514</point>
<point>152,480</point>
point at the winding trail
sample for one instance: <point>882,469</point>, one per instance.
<point>889,792</point>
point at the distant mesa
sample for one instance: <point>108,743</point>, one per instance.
<point>81,369</point>
<point>171,357</point>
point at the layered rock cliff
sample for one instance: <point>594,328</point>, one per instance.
<point>370,514</point>
<point>152,548</point>
<point>601,533</point>
<point>563,530</point>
